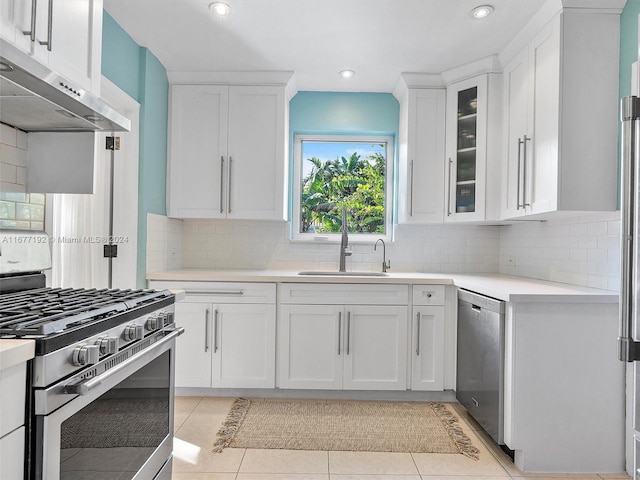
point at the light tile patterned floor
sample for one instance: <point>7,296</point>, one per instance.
<point>197,420</point>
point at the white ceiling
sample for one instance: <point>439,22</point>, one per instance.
<point>379,39</point>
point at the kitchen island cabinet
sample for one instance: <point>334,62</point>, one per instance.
<point>227,152</point>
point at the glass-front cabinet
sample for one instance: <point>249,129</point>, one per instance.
<point>466,150</point>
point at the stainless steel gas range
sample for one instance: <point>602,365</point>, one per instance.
<point>100,389</point>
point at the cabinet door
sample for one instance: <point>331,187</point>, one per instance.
<point>244,346</point>
<point>12,455</point>
<point>517,137</point>
<point>466,150</point>
<point>310,346</point>
<point>421,196</point>
<point>15,20</point>
<point>197,151</point>
<point>193,347</point>
<point>75,36</point>
<point>427,348</point>
<point>256,153</point>
<point>541,191</point>
<point>375,348</point>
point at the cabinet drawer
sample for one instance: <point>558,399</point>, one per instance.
<point>428,294</point>
<point>341,293</point>
<point>223,292</point>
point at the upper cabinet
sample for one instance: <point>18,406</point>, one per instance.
<point>560,118</point>
<point>421,150</point>
<point>227,152</point>
<point>65,35</point>
<point>472,160</point>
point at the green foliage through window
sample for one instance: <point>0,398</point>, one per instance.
<point>355,179</point>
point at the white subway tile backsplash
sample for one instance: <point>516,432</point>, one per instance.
<point>583,250</point>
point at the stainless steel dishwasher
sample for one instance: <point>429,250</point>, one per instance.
<point>480,378</point>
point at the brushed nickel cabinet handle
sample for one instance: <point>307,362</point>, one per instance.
<point>221,184</point>
<point>451,184</point>
<point>348,331</point>
<point>215,331</point>
<point>411,191</point>
<point>206,330</point>
<point>32,32</point>
<point>229,188</point>
<point>524,172</point>
<point>339,330</point>
<point>49,27</point>
<point>419,321</point>
<point>518,205</point>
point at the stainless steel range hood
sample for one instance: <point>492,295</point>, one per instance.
<point>35,99</point>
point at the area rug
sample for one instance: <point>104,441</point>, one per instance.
<point>343,425</point>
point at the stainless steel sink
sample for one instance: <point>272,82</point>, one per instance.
<point>344,274</point>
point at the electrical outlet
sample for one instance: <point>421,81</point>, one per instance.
<point>173,253</point>
<point>511,261</point>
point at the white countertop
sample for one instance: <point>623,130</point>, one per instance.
<point>502,287</point>
<point>13,352</point>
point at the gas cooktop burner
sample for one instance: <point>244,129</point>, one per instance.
<point>46,311</point>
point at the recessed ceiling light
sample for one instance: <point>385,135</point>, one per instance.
<point>220,8</point>
<point>346,73</point>
<point>482,11</point>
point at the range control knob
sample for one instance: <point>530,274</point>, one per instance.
<point>107,345</point>
<point>133,332</point>
<point>154,322</point>
<point>85,355</point>
<point>164,318</point>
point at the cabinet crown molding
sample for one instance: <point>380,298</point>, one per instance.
<point>258,77</point>
<point>409,80</point>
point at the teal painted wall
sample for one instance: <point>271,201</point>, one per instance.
<point>335,113</point>
<point>628,44</point>
<point>140,74</point>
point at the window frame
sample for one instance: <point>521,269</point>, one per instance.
<point>388,141</point>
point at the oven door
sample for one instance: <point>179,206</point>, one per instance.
<point>119,424</point>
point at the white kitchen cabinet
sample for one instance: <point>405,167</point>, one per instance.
<point>421,148</point>
<point>560,118</point>
<point>14,355</point>
<point>564,388</point>
<point>473,142</point>
<point>227,152</point>
<point>12,455</point>
<point>15,20</point>
<point>327,344</point>
<point>229,339</point>
<point>428,338</point>
<point>193,350</point>
<point>351,347</point>
<point>67,36</point>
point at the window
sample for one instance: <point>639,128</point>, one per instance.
<point>332,171</point>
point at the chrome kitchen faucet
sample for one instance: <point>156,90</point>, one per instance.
<point>345,251</point>
<point>386,264</point>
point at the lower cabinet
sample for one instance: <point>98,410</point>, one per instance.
<point>227,345</point>
<point>351,347</point>
<point>428,339</point>
<point>12,455</point>
<point>343,336</point>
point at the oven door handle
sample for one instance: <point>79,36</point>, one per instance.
<point>84,388</point>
